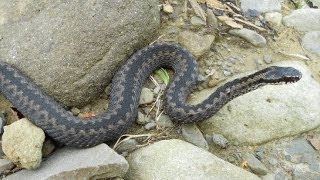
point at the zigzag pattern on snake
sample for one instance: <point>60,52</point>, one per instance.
<point>127,83</point>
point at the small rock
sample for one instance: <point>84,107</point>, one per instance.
<point>212,19</point>
<point>5,165</point>
<point>196,44</point>
<point>146,96</point>
<point>303,19</point>
<point>255,165</point>
<point>165,121</point>
<point>261,6</point>
<point>75,111</point>
<point>302,171</point>
<point>99,162</point>
<point>227,73</point>
<point>220,140</point>
<point>150,125</point>
<point>250,36</point>
<point>300,151</point>
<point>48,148</point>
<point>267,59</point>
<point>127,146</point>
<point>273,161</point>
<point>22,143</point>
<point>197,21</point>
<point>315,142</point>
<point>274,18</point>
<point>310,42</point>
<point>168,8</point>
<point>3,122</point>
<point>192,134</point>
<point>142,119</point>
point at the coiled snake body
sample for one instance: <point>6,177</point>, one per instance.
<point>127,83</point>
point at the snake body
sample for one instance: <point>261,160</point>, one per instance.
<point>127,83</point>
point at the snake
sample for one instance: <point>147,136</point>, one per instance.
<point>126,87</point>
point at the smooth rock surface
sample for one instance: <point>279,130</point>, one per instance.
<point>72,49</point>
<point>274,18</point>
<point>261,6</point>
<point>70,163</point>
<point>176,159</point>
<point>270,112</point>
<point>303,19</point>
<point>5,165</point>
<point>250,36</point>
<point>22,143</point>
<point>196,44</point>
<point>255,165</point>
<point>311,42</point>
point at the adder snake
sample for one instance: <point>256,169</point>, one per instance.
<point>127,83</point>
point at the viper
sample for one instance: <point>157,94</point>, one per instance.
<point>127,83</point>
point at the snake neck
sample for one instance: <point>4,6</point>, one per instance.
<point>186,113</point>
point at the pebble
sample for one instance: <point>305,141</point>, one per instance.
<point>196,44</point>
<point>165,121</point>
<point>192,134</point>
<point>255,165</point>
<point>250,36</point>
<point>3,122</point>
<point>311,42</point>
<point>212,19</point>
<point>5,165</point>
<point>75,111</point>
<point>197,21</point>
<point>267,59</point>
<point>48,148</point>
<point>150,125</point>
<point>220,140</point>
<point>146,96</point>
<point>142,119</point>
<point>167,8</point>
<point>99,162</point>
<point>274,18</point>
<point>261,6</point>
<point>273,161</point>
<point>227,73</point>
<point>303,19</point>
<point>22,143</point>
<point>127,146</point>
<point>300,151</point>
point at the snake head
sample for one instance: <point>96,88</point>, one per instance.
<point>277,74</point>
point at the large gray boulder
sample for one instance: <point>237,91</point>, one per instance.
<point>176,159</point>
<point>72,49</point>
<point>271,112</point>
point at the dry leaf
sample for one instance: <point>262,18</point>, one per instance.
<point>198,10</point>
<point>230,22</point>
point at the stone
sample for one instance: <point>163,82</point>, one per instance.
<point>192,134</point>
<point>261,6</point>
<point>5,165</point>
<point>3,122</point>
<point>212,19</point>
<point>70,163</point>
<point>311,42</point>
<point>255,165</point>
<point>197,21</point>
<point>142,119</point>
<point>72,49</point>
<point>274,18</point>
<point>316,2</point>
<point>220,140</point>
<point>167,8</point>
<point>300,151</point>
<point>164,121</point>
<point>270,112</point>
<point>150,125</point>
<point>127,146</point>
<point>267,59</point>
<point>250,36</point>
<point>303,19</point>
<point>22,143</point>
<point>146,96</point>
<point>176,159</point>
<point>196,44</point>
